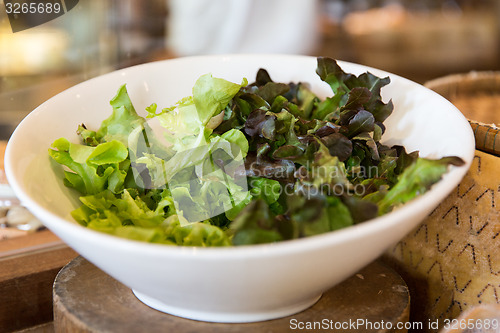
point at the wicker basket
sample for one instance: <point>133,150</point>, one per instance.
<point>477,95</point>
<point>451,261</point>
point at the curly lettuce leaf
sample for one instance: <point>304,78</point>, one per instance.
<point>351,90</point>
<point>415,180</point>
<point>122,121</point>
<point>189,123</point>
<point>204,181</point>
<point>254,225</point>
<point>93,169</point>
<point>211,95</point>
<point>129,216</point>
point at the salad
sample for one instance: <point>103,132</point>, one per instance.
<point>238,164</point>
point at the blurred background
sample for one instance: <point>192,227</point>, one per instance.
<point>420,40</point>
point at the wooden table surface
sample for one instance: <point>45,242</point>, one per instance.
<point>28,267</point>
<point>87,300</point>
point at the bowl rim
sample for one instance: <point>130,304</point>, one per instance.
<point>438,191</point>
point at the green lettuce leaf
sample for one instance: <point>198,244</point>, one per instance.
<point>254,225</point>
<point>127,216</point>
<point>211,95</point>
<point>415,180</point>
<point>123,121</point>
<point>93,169</point>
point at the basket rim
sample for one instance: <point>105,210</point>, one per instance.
<point>486,135</point>
<point>465,77</point>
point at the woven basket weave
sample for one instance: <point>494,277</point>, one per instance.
<point>477,95</point>
<point>451,262</point>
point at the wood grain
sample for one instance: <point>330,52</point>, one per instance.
<point>30,242</point>
<point>26,286</point>
<point>88,300</point>
<point>28,267</point>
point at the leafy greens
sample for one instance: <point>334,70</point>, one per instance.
<point>244,163</point>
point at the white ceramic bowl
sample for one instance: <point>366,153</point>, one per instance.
<point>248,283</point>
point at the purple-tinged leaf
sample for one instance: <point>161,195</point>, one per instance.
<point>363,121</point>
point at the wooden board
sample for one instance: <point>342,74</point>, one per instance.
<point>88,300</point>
<point>28,267</point>
<point>26,281</point>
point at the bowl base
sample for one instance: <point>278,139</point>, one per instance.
<point>226,317</point>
